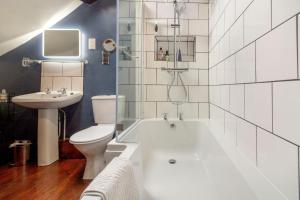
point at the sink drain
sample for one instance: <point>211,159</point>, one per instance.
<point>172,161</point>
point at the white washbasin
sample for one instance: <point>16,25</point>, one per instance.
<point>41,100</point>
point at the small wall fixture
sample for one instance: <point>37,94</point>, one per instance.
<point>27,62</point>
<point>109,45</point>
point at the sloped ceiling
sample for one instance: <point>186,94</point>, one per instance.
<point>21,20</point>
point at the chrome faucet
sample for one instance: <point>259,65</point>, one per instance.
<point>180,116</point>
<point>165,116</point>
<point>47,91</point>
<point>62,91</point>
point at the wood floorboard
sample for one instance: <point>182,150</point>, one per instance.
<point>58,181</point>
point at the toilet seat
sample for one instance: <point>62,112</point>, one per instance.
<point>93,134</point>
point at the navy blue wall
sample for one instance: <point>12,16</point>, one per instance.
<point>97,21</point>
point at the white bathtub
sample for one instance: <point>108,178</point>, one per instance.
<point>207,166</point>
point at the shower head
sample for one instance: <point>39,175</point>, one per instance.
<point>179,6</point>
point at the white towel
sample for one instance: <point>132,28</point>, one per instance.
<point>115,182</point>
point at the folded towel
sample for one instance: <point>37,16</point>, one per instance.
<point>115,182</point>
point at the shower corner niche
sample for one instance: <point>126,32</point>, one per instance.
<point>165,44</point>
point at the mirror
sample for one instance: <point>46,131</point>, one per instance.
<point>61,43</point>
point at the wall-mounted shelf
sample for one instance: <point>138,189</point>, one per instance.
<point>187,45</point>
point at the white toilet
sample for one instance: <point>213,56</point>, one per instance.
<point>92,142</point>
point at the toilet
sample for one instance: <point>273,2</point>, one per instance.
<point>92,142</point>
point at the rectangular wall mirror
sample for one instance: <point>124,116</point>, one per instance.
<point>61,43</point>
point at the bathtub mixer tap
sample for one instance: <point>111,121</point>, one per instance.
<point>180,116</point>
<point>165,116</point>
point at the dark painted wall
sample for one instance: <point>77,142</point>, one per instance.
<point>98,21</point>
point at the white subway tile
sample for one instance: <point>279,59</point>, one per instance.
<point>203,11</point>
<point>277,54</point>
<point>124,9</point>
<point>165,10</point>
<point>149,76</point>
<point>229,70</point>
<point>62,82</point>
<point>237,100</point>
<point>225,96</point>
<point>123,75</point>
<point>220,73</point>
<point>162,26</point>
<point>72,69</point>
<point>298,45</point>
<point>77,84</point>
<point>203,77</point>
<point>164,77</point>
<point>150,9</point>
<point>135,76</point>
<point>246,139</point>
<point>278,161</point>
<point>229,14</point>
<point>224,47</point>
<point>52,69</point>
<point>149,42</point>
<point>201,61</point>
<point>245,65</point>
<point>217,118</point>
<point>198,93</point>
<point>257,20</point>
<point>198,27</point>
<point>237,36</point>
<point>46,83</point>
<point>190,77</point>
<point>149,109</point>
<point>258,104</point>
<point>191,11</point>
<point>230,127</point>
<point>166,107</point>
<point>286,110</point>
<point>241,5</point>
<point>156,93</point>
<point>203,110</point>
<point>177,94</point>
<point>189,110</point>
<point>215,95</point>
<point>283,10</point>
<point>201,44</point>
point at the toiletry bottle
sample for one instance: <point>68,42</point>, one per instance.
<point>167,57</point>
<point>160,55</point>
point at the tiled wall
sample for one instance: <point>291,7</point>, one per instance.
<point>58,75</point>
<point>254,83</point>
<point>194,21</point>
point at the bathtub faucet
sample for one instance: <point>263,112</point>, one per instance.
<point>165,116</point>
<point>180,116</point>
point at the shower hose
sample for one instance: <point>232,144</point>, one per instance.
<point>178,74</point>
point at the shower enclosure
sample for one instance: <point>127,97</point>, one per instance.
<point>129,61</point>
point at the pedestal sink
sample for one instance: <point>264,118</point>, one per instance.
<point>47,105</point>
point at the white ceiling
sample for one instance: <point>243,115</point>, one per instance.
<point>21,20</point>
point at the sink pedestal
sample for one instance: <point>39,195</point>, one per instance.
<point>47,136</point>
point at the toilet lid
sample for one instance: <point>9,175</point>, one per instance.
<point>94,133</point>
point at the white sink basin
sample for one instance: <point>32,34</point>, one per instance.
<point>41,100</point>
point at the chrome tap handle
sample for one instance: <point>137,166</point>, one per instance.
<point>47,91</point>
<point>165,116</point>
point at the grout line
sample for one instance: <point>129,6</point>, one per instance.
<point>272,104</point>
<point>297,40</point>
<point>256,125</point>
<point>256,150</point>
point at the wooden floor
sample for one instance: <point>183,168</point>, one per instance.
<point>61,180</point>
